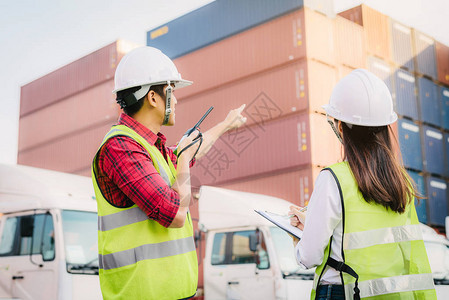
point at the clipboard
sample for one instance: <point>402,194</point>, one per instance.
<point>281,222</point>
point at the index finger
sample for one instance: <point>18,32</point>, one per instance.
<point>242,107</point>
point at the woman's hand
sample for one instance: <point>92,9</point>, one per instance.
<point>300,217</point>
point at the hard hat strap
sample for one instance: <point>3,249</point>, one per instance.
<point>168,99</point>
<point>334,128</point>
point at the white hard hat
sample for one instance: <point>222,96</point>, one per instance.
<point>146,66</point>
<point>363,99</point>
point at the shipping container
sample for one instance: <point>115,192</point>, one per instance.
<point>405,95</point>
<point>295,186</point>
<point>376,28</point>
<point>214,22</point>
<point>384,71</point>
<point>424,54</point>
<point>444,101</point>
<point>429,102</point>
<point>281,144</point>
<point>420,204</point>
<point>70,154</point>
<point>437,198</point>
<point>401,43</point>
<point>433,150</point>
<point>349,43</point>
<point>280,41</point>
<point>86,109</point>
<point>442,55</point>
<point>446,153</point>
<point>289,89</point>
<point>73,78</point>
<point>324,6</point>
<point>410,144</point>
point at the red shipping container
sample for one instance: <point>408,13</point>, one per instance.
<point>295,186</point>
<point>280,41</point>
<point>442,54</point>
<point>291,142</point>
<point>289,89</point>
<point>349,43</point>
<point>86,109</point>
<point>376,28</point>
<point>73,78</point>
<point>70,154</point>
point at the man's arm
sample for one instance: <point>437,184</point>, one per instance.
<point>233,120</point>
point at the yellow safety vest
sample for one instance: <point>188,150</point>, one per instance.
<point>384,248</point>
<point>138,257</point>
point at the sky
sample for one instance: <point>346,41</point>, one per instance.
<point>38,37</point>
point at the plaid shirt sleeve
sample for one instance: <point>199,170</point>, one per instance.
<point>130,167</point>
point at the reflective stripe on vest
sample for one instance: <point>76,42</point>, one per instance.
<point>149,251</point>
<point>382,286</point>
<point>383,247</point>
<point>121,218</point>
<point>368,238</point>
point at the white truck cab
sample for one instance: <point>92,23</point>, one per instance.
<point>48,235</point>
<point>246,257</point>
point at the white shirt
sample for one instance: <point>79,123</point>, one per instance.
<point>324,219</point>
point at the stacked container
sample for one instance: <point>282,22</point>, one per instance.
<point>65,114</point>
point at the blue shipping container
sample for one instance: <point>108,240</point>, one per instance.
<point>406,102</point>
<point>214,22</point>
<point>410,144</point>
<point>433,150</point>
<point>420,204</point>
<point>425,54</point>
<point>446,158</point>
<point>430,104</point>
<point>444,100</point>
<point>437,197</point>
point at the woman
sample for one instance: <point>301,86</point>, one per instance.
<point>361,230</point>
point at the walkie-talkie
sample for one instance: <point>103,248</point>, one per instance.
<point>189,131</point>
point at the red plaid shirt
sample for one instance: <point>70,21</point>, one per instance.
<point>127,175</point>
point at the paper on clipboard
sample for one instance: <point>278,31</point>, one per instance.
<point>281,222</point>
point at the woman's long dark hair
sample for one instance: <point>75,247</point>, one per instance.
<point>379,174</point>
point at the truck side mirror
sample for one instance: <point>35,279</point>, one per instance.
<point>253,241</point>
<point>26,226</point>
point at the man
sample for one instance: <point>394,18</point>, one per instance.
<point>145,235</point>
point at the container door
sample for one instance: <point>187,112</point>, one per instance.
<point>428,98</point>
<point>405,94</point>
<point>410,144</point>
<point>236,272</point>
<point>27,251</point>
<point>437,195</point>
<point>434,150</point>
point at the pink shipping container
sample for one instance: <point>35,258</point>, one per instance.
<point>86,109</point>
<point>442,54</point>
<point>376,28</point>
<point>71,154</point>
<point>291,142</point>
<point>349,43</point>
<point>295,186</point>
<point>73,78</point>
<point>296,87</point>
<point>285,39</point>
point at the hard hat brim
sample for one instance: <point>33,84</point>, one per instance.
<point>179,83</point>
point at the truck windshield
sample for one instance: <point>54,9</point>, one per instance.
<point>285,255</point>
<point>80,239</point>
